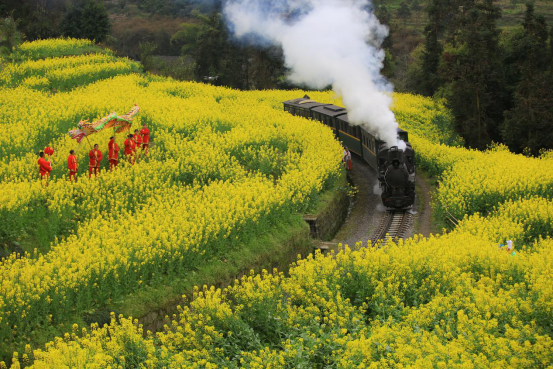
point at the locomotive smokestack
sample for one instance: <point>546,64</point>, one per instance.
<point>326,42</point>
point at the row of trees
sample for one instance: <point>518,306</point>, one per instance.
<point>39,19</point>
<point>498,86</point>
<point>224,61</point>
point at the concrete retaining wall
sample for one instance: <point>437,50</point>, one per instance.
<point>325,224</point>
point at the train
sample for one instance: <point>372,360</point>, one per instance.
<point>395,166</point>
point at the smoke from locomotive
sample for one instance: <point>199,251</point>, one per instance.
<point>326,42</point>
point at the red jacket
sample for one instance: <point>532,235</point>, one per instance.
<point>72,163</point>
<point>145,135</point>
<point>130,146</point>
<point>113,150</point>
<point>44,166</point>
<point>137,139</point>
<point>95,158</point>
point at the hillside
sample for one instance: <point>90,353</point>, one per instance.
<point>228,172</point>
<point>512,10</point>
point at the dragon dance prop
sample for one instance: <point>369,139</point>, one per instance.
<point>118,123</point>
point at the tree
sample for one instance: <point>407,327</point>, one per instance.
<point>416,6</point>
<point>403,12</point>
<point>441,14</point>
<point>527,123</point>
<point>432,53</point>
<point>473,75</point>
<point>147,50</point>
<point>10,37</point>
<point>551,48</point>
<point>187,38</point>
<point>383,15</point>
<point>36,18</point>
<point>385,18</point>
<point>86,19</point>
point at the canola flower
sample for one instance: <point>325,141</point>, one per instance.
<point>226,164</point>
<point>48,48</point>
<point>218,172</point>
<point>64,72</point>
<point>448,301</point>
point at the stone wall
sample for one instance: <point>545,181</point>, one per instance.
<point>326,223</point>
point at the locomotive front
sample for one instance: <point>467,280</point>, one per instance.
<point>396,175</point>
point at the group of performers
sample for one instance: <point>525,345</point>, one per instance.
<point>133,143</point>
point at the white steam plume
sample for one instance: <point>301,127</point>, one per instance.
<point>326,42</point>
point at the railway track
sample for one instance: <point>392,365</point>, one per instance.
<point>393,226</point>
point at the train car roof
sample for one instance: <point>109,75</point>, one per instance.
<point>330,110</point>
<point>303,102</point>
<point>345,118</point>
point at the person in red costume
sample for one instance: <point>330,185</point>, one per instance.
<point>44,167</point>
<point>95,156</point>
<point>113,154</point>
<point>145,132</point>
<point>130,148</point>
<point>72,165</point>
<point>138,142</point>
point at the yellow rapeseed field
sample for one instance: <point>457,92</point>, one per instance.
<point>223,166</point>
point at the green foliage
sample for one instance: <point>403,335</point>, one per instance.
<point>430,79</point>
<point>10,37</point>
<point>147,50</point>
<point>404,12</point>
<point>187,38</point>
<point>474,79</point>
<point>227,63</point>
<point>86,19</point>
<point>527,124</point>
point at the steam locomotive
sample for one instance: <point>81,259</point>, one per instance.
<point>395,166</point>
